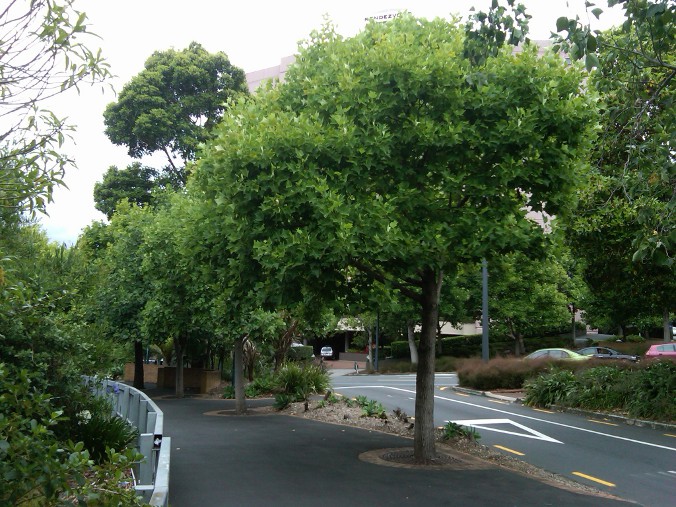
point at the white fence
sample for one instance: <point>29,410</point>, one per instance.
<point>152,474</point>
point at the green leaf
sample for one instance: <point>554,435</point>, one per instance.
<point>597,12</point>
<point>562,24</point>
<point>591,61</point>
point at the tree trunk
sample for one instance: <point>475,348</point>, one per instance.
<point>238,360</point>
<point>519,345</point>
<point>410,328</point>
<point>423,442</point>
<point>667,325</point>
<point>138,365</point>
<point>179,349</point>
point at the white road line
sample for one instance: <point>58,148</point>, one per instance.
<point>542,420</point>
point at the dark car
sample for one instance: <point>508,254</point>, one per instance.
<point>606,353</point>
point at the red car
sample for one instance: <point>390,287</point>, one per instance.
<point>662,350</point>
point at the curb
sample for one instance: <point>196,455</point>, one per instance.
<point>487,394</point>
<point>617,418</point>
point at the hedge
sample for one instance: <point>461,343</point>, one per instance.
<point>300,353</point>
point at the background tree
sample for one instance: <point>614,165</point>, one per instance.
<point>365,158</point>
<point>42,54</point>
<point>635,75</point>
<point>172,105</point>
<point>528,297</point>
<point>134,184</point>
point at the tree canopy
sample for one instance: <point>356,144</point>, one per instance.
<point>173,103</point>
<point>390,153</point>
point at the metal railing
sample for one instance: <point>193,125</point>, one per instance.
<point>152,474</point>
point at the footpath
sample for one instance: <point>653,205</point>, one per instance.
<point>265,459</point>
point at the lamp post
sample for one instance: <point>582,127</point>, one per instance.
<point>484,310</point>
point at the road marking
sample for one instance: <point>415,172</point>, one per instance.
<point>543,410</point>
<point>498,401</point>
<point>462,394</point>
<point>554,423</point>
<point>595,479</point>
<point>443,388</point>
<point>509,450</point>
<point>669,435</point>
<point>484,424</point>
<point>602,422</point>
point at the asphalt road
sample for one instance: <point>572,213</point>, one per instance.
<point>635,463</point>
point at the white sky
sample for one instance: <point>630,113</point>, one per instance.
<point>255,34</point>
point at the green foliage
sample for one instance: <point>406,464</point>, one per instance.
<point>303,353</point>
<point>38,469</point>
<point>133,184</point>
<point>400,350</point>
<point>262,385</point>
<point>454,431</point>
<point>229,392</point>
<point>283,400</point>
<point>372,408</point>
<point>300,381</point>
<point>44,54</point>
<point>173,103</point>
<point>103,432</point>
<point>643,391</point>
<point>550,389</point>
<point>652,392</point>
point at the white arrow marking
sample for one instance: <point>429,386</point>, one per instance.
<point>530,433</point>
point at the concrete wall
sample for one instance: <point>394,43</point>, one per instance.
<point>193,378</point>
<point>149,373</point>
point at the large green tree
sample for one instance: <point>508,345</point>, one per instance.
<point>392,154</point>
<point>173,103</point>
<point>630,204</point>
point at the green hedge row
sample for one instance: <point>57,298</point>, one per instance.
<point>645,391</point>
<point>300,353</point>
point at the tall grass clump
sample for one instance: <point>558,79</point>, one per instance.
<point>300,381</point>
<point>653,394</point>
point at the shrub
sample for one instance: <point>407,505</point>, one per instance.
<point>263,384</point>
<point>283,400</point>
<point>229,392</point>
<point>551,388</point>
<point>303,353</point>
<point>498,373</point>
<point>400,350</point>
<point>653,391</point>
<point>452,431</point>
<point>300,382</point>
<point>101,432</point>
<point>601,388</point>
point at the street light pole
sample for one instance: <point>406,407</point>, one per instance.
<point>484,310</point>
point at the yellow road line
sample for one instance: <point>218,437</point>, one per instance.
<point>669,435</point>
<point>602,422</point>
<point>509,450</point>
<point>543,410</point>
<point>498,401</point>
<point>461,394</point>
<point>443,388</point>
<point>589,477</point>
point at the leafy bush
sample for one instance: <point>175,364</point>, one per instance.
<point>263,384</point>
<point>303,353</point>
<point>452,431</point>
<point>36,468</point>
<point>551,388</point>
<point>229,392</point>
<point>300,382</point>
<point>372,408</point>
<point>400,350</point>
<point>653,391</point>
<point>283,400</point>
<point>643,391</point>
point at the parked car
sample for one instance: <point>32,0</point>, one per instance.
<point>661,350</point>
<point>557,354</point>
<point>327,352</point>
<point>606,353</point>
